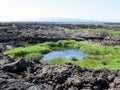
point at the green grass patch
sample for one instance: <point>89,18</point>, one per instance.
<point>99,56</point>
<point>35,51</point>
<point>57,61</point>
<point>96,30</point>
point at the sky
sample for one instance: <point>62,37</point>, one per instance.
<point>100,10</point>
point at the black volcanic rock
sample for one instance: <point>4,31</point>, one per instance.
<point>27,33</point>
<point>39,76</point>
<point>17,66</point>
<point>32,75</point>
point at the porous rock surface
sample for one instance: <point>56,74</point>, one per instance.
<point>32,75</point>
<point>18,34</point>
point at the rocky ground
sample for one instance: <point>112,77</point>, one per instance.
<point>31,75</point>
<point>21,34</point>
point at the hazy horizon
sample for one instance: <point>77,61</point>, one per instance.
<point>98,10</point>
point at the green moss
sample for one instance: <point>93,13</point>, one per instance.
<point>99,56</point>
<point>96,30</point>
<point>57,61</point>
<point>35,51</point>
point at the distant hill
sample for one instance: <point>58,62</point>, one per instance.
<point>66,20</point>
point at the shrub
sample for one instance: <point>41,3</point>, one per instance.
<point>74,59</point>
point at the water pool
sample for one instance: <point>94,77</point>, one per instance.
<point>67,54</point>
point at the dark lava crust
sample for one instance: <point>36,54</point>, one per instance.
<point>30,75</point>
<point>29,33</point>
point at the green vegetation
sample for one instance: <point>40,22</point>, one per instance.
<point>35,51</point>
<point>99,56</point>
<point>74,59</point>
<point>115,32</point>
<point>97,30</point>
<point>57,61</point>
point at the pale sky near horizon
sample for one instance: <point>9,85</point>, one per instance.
<point>101,10</point>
